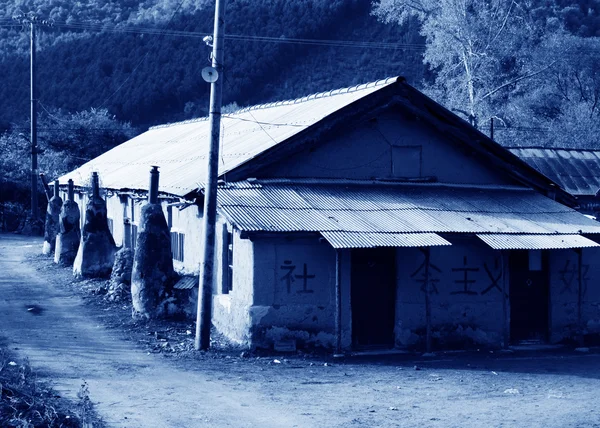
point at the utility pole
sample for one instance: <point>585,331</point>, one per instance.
<point>204,315</point>
<point>32,20</point>
<point>34,163</point>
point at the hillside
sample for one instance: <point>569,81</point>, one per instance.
<point>148,79</point>
<point>108,69</point>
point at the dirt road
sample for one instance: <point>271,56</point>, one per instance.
<point>129,387</point>
<point>67,342</point>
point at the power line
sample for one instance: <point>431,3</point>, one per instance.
<point>262,123</point>
<point>243,37</point>
<point>142,60</point>
<point>84,128</point>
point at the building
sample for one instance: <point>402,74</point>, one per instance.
<point>367,216</point>
<point>575,170</point>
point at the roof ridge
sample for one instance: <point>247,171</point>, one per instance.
<point>316,95</point>
<point>404,183</point>
<point>324,94</point>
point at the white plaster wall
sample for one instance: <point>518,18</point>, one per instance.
<point>564,293</point>
<point>479,316</point>
<point>233,312</point>
<point>282,298</point>
<point>366,152</point>
<point>189,222</point>
<point>114,209</point>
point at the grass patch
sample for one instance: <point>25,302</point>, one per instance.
<point>26,402</point>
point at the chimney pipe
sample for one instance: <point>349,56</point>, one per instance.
<point>153,193</point>
<point>127,237</point>
<point>56,188</point>
<point>71,190</point>
<point>46,187</point>
<point>95,185</point>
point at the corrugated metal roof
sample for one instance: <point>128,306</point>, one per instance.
<point>180,149</point>
<point>372,240</point>
<point>575,170</point>
<point>294,206</point>
<point>536,242</point>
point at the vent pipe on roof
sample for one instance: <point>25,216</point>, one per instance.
<point>95,185</point>
<point>46,187</point>
<point>153,189</point>
<point>56,187</point>
<point>71,190</point>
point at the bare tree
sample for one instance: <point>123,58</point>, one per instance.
<point>480,49</point>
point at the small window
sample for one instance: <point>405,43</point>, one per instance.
<point>229,244</point>
<point>177,245</point>
<point>406,162</point>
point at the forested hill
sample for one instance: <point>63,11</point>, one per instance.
<point>149,78</point>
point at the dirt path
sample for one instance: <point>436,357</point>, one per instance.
<point>129,387</point>
<point>68,342</point>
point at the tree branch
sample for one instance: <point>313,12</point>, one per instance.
<point>502,26</point>
<point>515,80</point>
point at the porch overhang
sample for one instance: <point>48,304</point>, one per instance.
<point>536,242</point>
<point>374,240</point>
<point>370,214</point>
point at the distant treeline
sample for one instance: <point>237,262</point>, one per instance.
<point>148,79</point>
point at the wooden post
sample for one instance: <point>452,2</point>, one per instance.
<point>505,322</point>
<point>427,253</point>
<point>579,252</point>
<point>338,301</point>
<point>34,150</point>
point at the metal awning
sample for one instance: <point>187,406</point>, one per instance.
<point>399,212</point>
<point>371,240</point>
<point>535,242</point>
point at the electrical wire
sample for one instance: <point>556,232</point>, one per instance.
<point>84,128</point>
<point>242,37</point>
<point>262,123</point>
<point>141,61</point>
<point>261,127</point>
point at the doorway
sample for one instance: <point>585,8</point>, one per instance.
<point>529,295</point>
<point>373,297</point>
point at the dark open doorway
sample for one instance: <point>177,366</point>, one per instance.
<point>373,297</point>
<point>529,296</point>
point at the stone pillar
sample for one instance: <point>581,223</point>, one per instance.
<point>96,253</point>
<point>120,278</point>
<point>52,226</point>
<point>153,276</point>
<point>67,240</point>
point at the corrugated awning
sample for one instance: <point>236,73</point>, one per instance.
<point>354,207</point>
<point>535,242</point>
<point>372,240</point>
